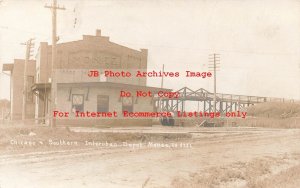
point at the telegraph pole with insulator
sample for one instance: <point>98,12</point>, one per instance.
<point>214,65</point>
<point>29,46</point>
<point>54,7</point>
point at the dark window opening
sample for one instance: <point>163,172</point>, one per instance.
<point>102,103</point>
<point>77,103</point>
<point>127,104</point>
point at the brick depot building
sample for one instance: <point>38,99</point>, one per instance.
<point>76,91</point>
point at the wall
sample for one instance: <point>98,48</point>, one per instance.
<point>76,58</point>
<point>115,104</point>
<point>93,52</point>
<point>17,89</point>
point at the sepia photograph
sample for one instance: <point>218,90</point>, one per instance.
<point>150,94</point>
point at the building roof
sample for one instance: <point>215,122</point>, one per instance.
<point>10,66</point>
<point>7,67</point>
<point>42,86</point>
<point>97,39</point>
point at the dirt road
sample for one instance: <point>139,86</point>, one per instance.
<point>213,157</point>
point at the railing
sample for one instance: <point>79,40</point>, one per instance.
<point>202,94</point>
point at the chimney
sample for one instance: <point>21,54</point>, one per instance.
<point>98,33</point>
<point>144,51</point>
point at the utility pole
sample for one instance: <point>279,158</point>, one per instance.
<point>54,7</point>
<point>161,86</point>
<point>29,45</point>
<point>162,78</point>
<point>214,62</point>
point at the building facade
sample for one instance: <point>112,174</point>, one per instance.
<point>17,86</point>
<point>78,91</point>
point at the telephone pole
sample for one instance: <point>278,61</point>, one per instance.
<point>214,62</point>
<point>29,45</point>
<point>161,86</point>
<point>162,78</point>
<point>54,7</point>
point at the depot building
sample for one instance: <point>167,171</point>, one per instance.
<point>79,91</point>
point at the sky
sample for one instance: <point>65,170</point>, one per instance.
<point>258,40</point>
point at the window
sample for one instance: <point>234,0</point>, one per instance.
<point>30,82</point>
<point>77,103</point>
<point>127,104</point>
<point>102,103</point>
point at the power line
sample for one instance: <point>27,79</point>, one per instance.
<point>203,51</point>
<point>206,50</point>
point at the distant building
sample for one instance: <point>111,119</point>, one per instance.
<point>17,82</point>
<point>4,109</point>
